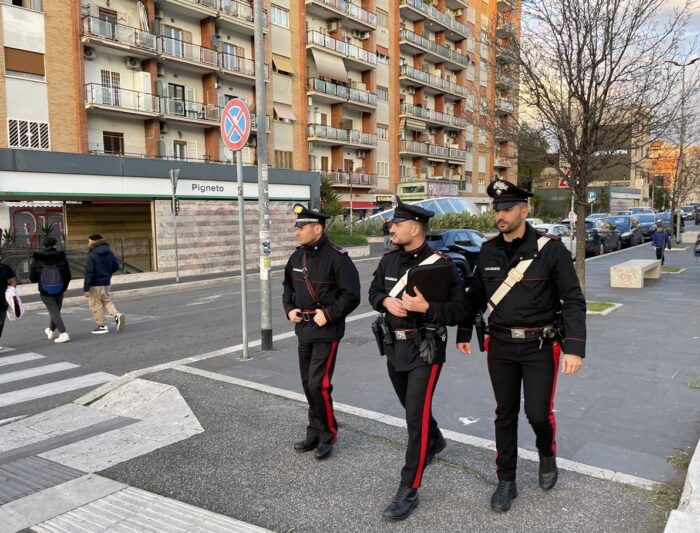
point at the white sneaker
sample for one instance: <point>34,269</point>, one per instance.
<point>121,322</point>
<point>50,334</point>
<point>100,330</point>
<point>63,337</point>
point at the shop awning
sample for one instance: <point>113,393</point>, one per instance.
<point>360,205</point>
<point>330,66</point>
<point>284,111</point>
<point>382,50</point>
<point>283,64</point>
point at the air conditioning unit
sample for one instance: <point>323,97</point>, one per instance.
<point>452,134</point>
<point>160,14</point>
<point>89,53</point>
<point>411,90</point>
<point>362,35</point>
<point>132,63</point>
<point>332,25</point>
<point>160,70</point>
<point>361,154</point>
<point>357,34</point>
<point>458,13</point>
<point>163,127</point>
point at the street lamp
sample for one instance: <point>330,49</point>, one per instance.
<point>679,172</point>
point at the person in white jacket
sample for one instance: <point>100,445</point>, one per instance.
<point>7,279</point>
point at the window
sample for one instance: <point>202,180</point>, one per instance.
<point>483,72</point>
<point>324,163</point>
<point>382,131</point>
<point>28,134</point>
<point>280,16</point>
<point>22,61</point>
<point>180,149</point>
<point>283,159</point>
<point>482,164</point>
<point>34,5</point>
<point>110,87</point>
<point>382,18</point>
<point>382,94</point>
<point>176,99</point>
<point>113,142</point>
<point>382,168</point>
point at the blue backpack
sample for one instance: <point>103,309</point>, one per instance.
<point>51,281</point>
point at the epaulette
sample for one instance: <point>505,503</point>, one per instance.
<point>541,233</point>
<point>339,249</point>
<point>442,254</point>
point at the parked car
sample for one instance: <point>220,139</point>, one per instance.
<point>637,210</point>
<point>534,221</point>
<point>601,236</point>
<point>564,233</point>
<point>647,223</point>
<point>461,245</point>
<point>697,214</point>
<point>688,212</point>
<point>593,216</point>
<point>667,220</point>
<point>625,212</point>
<point>630,232</point>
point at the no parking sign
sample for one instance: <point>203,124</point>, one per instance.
<point>235,124</point>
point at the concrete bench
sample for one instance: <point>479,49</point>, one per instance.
<point>689,237</point>
<point>631,274</point>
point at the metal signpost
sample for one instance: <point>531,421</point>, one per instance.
<point>175,206</point>
<point>235,130</point>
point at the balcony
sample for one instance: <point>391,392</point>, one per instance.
<point>505,30</point>
<point>501,135</point>
<point>359,58</point>
<point>119,37</point>
<point>434,84</point>
<point>192,112</point>
<point>505,5</point>
<point>241,14</point>
<point>435,53</point>
<point>504,107</point>
<point>504,82</point>
<point>352,179</point>
<point>341,137</point>
<point>415,10</point>
<point>326,91</point>
<point>122,101</point>
<point>354,17</point>
<point>240,67</point>
<point>502,162</point>
<point>435,117</point>
<point>188,55</point>
<point>504,54</point>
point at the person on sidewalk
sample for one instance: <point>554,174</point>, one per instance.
<point>321,288</point>
<point>660,240</point>
<point>536,312</point>
<point>408,321</point>
<point>50,270</point>
<point>100,265</point>
<point>7,278</point>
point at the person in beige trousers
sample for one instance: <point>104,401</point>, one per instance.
<point>100,265</point>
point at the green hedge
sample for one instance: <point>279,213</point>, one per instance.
<point>340,235</point>
<point>482,222</point>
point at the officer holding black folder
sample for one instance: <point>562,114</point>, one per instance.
<point>536,323</point>
<point>411,333</point>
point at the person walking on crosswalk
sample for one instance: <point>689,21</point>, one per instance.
<point>51,272</point>
<point>7,278</point>
<point>101,263</point>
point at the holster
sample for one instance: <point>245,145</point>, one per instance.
<point>480,327</point>
<point>382,334</point>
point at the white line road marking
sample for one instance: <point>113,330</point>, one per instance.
<point>19,358</point>
<point>57,387</point>
<point>37,371</point>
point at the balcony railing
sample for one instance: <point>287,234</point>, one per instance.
<point>238,64</point>
<point>192,52</point>
<point>432,150</point>
<point>189,109</point>
<point>346,93</point>
<point>345,136</point>
<point>504,81</point>
<point>505,30</point>
<point>346,49</point>
<point>431,46</point>
<point>119,33</point>
<point>433,81</point>
<point>504,5</point>
<point>433,116</point>
<point>352,178</point>
<point>117,97</point>
<point>351,10</point>
<point>504,106</point>
<point>241,10</point>
<point>438,16</point>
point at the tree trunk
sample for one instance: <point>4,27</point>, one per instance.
<point>580,210</point>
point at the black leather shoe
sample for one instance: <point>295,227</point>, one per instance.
<point>505,493</point>
<point>402,505</point>
<point>305,445</point>
<point>549,473</point>
<point>323,451</point>
<point>435,448</point>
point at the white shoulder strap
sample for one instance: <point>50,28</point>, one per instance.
<point>401,284</point>
<point>515,274</point>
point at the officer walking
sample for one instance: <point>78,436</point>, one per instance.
<point>536,312</point>
<point>321,288</point>
<point>407,324</point>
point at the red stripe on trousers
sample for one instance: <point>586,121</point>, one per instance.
<point>425,425</point>
<point>324,390</point>
<point>556,353</point>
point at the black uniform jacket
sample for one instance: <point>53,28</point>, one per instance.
<point>403,355</point>
<point>336,282</point>
<point>550,285</point>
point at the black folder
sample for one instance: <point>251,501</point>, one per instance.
<point>433,281</point>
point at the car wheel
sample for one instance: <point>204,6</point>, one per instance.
<point>462,269</point>
<point>601,248</point>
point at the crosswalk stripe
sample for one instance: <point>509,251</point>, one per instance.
<point>37,371</point>
<point>57,387</point>
<point>19,358</point>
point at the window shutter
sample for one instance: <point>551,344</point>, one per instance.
<point>191,149</point>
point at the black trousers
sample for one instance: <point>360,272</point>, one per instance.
<point>415,389</point>
<point>660,253</point>
<point>511,364</point>
<point>53,303</point>
<point>316,365</point>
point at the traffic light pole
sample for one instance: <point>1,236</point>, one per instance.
<point>263,202</point>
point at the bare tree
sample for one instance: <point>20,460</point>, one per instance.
<point>594,80</point>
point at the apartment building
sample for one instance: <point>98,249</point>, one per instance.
<point>378,94</point>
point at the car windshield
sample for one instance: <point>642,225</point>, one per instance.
<point>477,237</point>
<point>622,223</point>
<point>645,217</point>
<point>436,240</point>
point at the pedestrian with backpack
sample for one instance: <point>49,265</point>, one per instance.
<point>101,263</point>
<point>52,273</point>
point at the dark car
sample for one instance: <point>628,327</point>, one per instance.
<point>665,219</point>
<point>461,245</point>
<point>647,223</point>
<point>601,236</point>
<point>630,232</point>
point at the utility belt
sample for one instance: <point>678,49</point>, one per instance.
<point>425,337</point>
<point>307,315</point>
<point>549,332</point>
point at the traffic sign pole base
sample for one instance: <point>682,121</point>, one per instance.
<point>266,339</point>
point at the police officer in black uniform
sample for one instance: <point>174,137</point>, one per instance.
<point>321,288</point>
<point>537,312</point>
<point>405,321</point>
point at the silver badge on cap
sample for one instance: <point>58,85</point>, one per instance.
<point>499,187</point>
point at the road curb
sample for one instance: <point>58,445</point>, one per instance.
<point>686,519</point>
